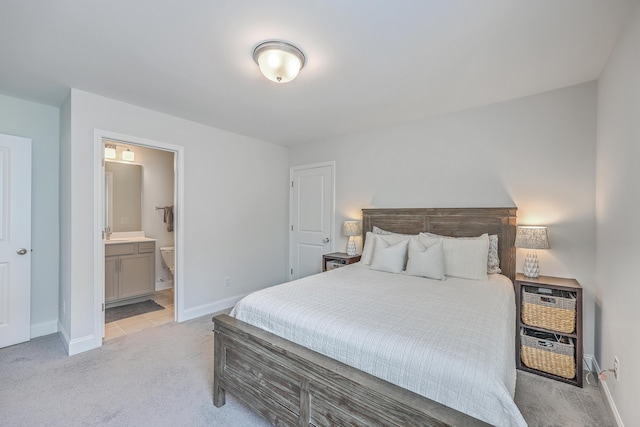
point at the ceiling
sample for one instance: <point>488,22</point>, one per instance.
<point>370,63</point>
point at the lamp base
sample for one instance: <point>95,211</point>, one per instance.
<point>531,265</point>
<point>351,246</point>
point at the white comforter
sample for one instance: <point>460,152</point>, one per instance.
<point>451,341</point>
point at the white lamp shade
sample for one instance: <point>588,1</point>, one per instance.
<point>279,62</point>
<point>530,237</point>
<point>351,228</point>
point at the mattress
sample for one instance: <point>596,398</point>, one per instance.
<point>451,341</point>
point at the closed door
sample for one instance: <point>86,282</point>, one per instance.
<point>311,218</point>
<point>15,240</point>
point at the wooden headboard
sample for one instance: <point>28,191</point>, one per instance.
<point>456,222</point>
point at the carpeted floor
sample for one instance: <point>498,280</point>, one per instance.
<point>163,377</point>
<point>122,312</point>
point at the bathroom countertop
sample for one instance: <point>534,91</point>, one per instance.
<point>128,240</point>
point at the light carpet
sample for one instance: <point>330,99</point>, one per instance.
<point>163,376</point>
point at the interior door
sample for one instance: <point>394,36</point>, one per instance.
<point>311,218</point>
<point>15,240</point>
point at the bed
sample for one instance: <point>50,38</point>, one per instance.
<point>289,374</point>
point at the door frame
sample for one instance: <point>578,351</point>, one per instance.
<point>98,219</point>
<point>292,169</point>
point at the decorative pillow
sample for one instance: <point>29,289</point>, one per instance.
<point>381,232</point>
<point>391,258</point>
<point>426,261</point>
<point>493,259</point>
<point>464,258</point>
<point>370,242</point>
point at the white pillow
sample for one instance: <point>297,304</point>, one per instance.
<point>389,258</point>
<point>370,242</point>
<point>493,259</point>
<point>367,249</point>
<point>426,261</point>
<point>464,258</point>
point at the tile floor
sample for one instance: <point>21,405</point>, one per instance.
<point>143,321</point>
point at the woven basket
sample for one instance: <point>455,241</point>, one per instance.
<point>556,312</point>
<point>544,353</point>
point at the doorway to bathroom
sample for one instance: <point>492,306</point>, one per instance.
<point>138,274</point>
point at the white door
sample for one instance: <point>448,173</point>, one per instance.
<point>311,218</point>
<point>15,240</point>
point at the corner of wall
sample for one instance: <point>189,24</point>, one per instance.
<point>606,394</point>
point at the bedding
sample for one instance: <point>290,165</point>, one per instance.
<point>451,341</point>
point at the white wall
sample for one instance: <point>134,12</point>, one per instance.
<point>40,123</point>
<point>235,206</point>
<point>618,228</point>
<point>536,153</point>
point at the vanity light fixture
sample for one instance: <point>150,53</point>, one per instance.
<point>532,238</point>
<point>109,151</point>
<point>128,155</point>
<point>279,61</point>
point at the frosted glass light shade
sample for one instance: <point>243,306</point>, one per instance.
<point>279,62</point>
<point>109,152</point>
<point>128,155</point>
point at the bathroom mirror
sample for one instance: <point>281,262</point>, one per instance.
<point>123,196</point>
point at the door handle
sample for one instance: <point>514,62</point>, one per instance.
<point>21,251</point>
<point>325,240</point>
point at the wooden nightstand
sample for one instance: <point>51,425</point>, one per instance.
<point>543,308</point>
<point>338,259</point>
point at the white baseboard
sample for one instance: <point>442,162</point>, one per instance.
<point>64,335</point>
<point>76,345</point>
<point>606,394</point>
<point>203,310</point>
<point>82,344</point>
<point>44,328</point>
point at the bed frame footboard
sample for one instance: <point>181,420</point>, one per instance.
<point>290,385</point>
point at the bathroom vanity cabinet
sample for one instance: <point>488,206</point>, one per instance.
<point>129,272</point>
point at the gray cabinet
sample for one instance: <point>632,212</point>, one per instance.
<point>129,272</point>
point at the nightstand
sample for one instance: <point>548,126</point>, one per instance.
<point>337,260</point>
<point>549,327</point>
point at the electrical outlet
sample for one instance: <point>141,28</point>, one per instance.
<point>64,308</point>
<point>616,367</point>
<point>227,281</point>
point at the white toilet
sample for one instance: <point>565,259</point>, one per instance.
<point>168,258</point>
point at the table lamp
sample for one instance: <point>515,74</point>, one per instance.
<point>532,238</point>
<point>351,229</point>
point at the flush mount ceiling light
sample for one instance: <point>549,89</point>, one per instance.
<point>279,61</point>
